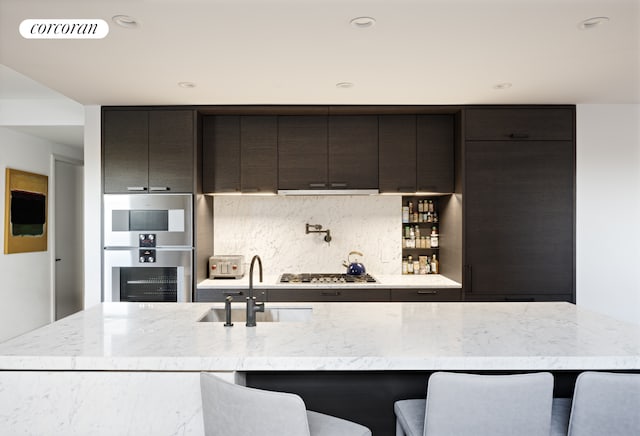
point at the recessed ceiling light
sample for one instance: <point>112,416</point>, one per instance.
<point>362,22</point>
<point>503,85</point>
<point>125,21</point>
<point>344,85</point>
<point>186,84</point>
<point>592,23</point>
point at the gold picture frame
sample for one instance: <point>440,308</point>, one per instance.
<point>25,212</point>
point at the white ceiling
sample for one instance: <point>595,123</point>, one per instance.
<point>295,51</point>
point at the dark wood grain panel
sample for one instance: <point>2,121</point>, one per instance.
<point>302,152</point>
<point>353,152</point>
<point>125,142</point>
<point>519,123</point>
<point>519,215</point>
<point>171,150</point>
<point>434,151</point>
<point>221,153</point>
<point>259,153</point>
<point>397,153</point>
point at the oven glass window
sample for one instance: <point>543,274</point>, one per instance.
<point>148,220</point>
<point>147,284</point>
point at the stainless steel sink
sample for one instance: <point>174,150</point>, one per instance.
<point>270,314</point>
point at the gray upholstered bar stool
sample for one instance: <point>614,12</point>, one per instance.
<point>477,405</point>
<point>234,410</point>
<point>605,403</point>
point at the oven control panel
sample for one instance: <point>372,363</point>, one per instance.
<point>147,240</point>
<point>147,256</point>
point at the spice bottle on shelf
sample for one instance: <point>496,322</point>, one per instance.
<point>430,206</point>
<point>435,265</point>
<point>405,214</point>
<point>410,265</point>
<point>411,243</point>
<point>434,237</point>
<point>405,266</point>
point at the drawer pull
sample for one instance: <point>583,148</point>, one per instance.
<point>159,188</point>
<point>330,293</point>
<point>338,185</point>
<point>233,293</point>
<point>519,135</point>
<point>431,292</point>
<point>136,188</point>
<point>317,185</point>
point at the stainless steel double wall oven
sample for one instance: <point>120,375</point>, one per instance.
<point>148,247</point>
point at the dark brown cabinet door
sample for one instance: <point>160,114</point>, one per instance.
<point>302,152</point>
<point>519,212</point>
<point>434,153</point>
<point>519,123</point>
<point>397,153</point>
<point>327,295</point>
<point>259,153</point>
<point>171,151</point>
<point>353,152</point>
<point>125,148</point>
<point>221,153</point>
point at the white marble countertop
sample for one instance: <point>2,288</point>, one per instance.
<point>383,281</point>
<point>339,336</point>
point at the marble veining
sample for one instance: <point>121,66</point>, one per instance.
<point>274,228</point>
<point>339,336</point>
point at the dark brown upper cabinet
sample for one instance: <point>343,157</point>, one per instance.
<point>239,153</point>
<point>524,123</point>
<point>416,153</point>
<point>519,205</point>
<point>397,152</point>
<point>148,151</point>
<point>327,152</point>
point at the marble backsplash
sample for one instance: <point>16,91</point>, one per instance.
<point>274,228</point>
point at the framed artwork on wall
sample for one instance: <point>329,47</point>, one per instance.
<point>25,212</point>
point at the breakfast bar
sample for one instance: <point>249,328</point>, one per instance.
<point>121,357</point>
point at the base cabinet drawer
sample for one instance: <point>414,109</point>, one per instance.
<point>518,298</point>
<point>328,295</point>
<point>399,295</point>
<point>220,295</point>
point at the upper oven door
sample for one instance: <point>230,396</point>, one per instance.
<point>167,216</point>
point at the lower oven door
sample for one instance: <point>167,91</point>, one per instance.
<point>143,275</point>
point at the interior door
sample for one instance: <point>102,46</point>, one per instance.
<point>68,239</point>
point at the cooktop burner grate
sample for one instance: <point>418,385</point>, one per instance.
<point>325,278</point>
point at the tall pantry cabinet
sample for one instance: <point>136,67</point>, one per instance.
<point>519,204</point>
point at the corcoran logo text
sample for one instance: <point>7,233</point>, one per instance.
<point>64,29</point>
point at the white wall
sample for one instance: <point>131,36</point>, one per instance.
<point>92,207</point>
<point>25,278</point>
<point>608,209</point>
<point>274,228</point>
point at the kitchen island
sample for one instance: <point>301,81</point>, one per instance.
<point>133,364</point>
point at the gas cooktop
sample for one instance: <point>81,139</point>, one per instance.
<point>325,278</point>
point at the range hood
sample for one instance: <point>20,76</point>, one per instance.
<point>328,191</point>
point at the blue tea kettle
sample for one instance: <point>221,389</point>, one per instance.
<point>354,268</point>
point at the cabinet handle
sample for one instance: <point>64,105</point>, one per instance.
<point>339,185</point>
<point>317,185</point>
<point>330,293</point>
<point>519,135</point>
<point>136,188</point>
<point>159,188</point>
<point>427,292</point>
<point>519,299</point>
<point>233,293</point>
